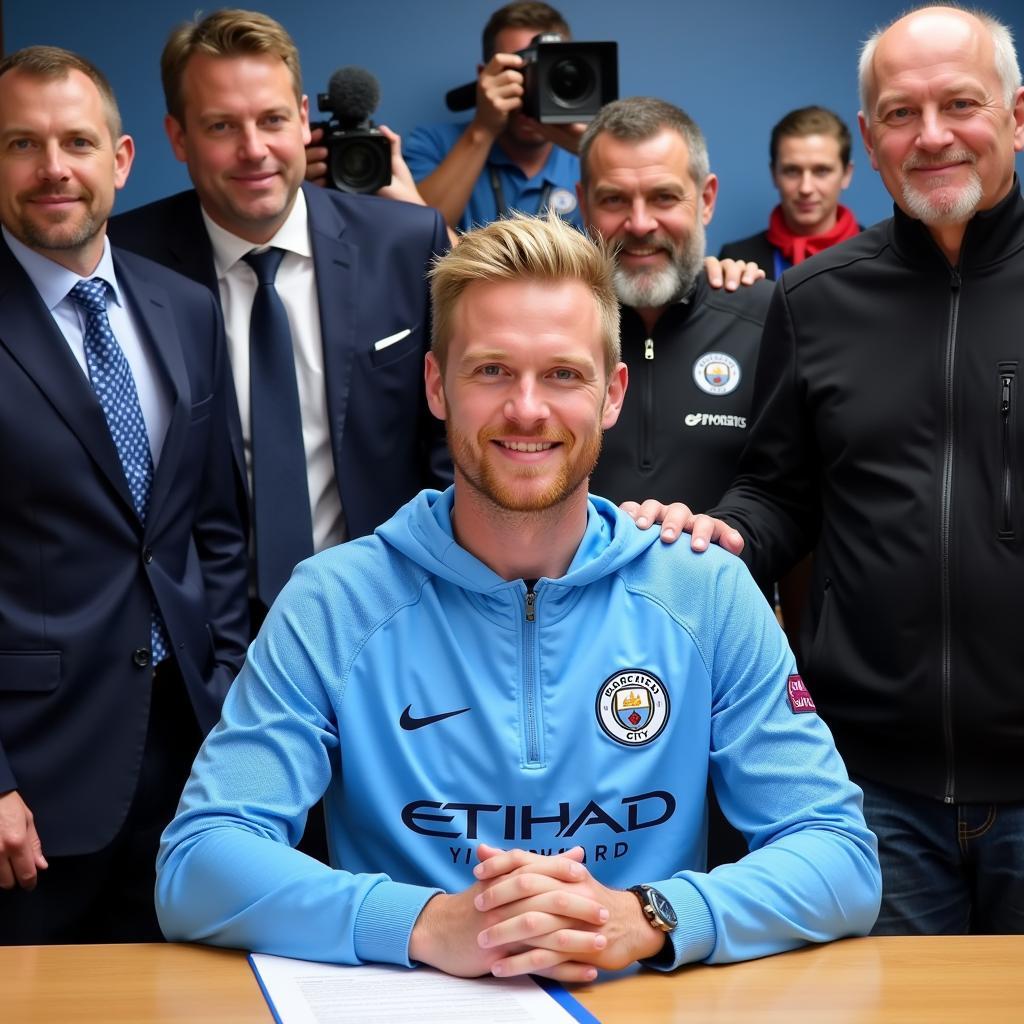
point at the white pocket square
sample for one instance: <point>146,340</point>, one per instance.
<point>391,339</point>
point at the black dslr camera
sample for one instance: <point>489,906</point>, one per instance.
<point>358,156</point>
<point>565,82</point>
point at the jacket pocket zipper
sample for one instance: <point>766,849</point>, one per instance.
<point>1007,386</point>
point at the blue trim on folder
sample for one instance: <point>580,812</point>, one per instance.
<point>566,1000</point>
<point>263,989</point>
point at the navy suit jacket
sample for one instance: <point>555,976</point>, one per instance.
<point>79,573</point>
<point>371,257</point>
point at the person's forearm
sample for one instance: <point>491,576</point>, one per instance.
<point>448,187</point>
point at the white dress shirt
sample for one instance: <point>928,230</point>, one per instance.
<point>296,285</point>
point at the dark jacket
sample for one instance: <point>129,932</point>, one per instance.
<point>79,572</point>
<point>887,437</point>
<point>677,439</point>
<point>756,248</point>
<point>371,257</point>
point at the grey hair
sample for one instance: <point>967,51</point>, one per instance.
<point>640,118</point>
<point>1005,55</point>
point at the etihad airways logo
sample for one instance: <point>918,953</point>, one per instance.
<point>462,820</point>
<point>706,419</point>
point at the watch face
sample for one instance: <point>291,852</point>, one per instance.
<point>662,908</point>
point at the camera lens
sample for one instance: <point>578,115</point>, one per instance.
<point>359,165</point>
<point>571,81</point>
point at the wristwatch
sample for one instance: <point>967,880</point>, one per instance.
<point>656,908</point>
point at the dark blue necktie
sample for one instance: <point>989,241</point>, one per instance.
<point>282,522</point>
<point>112,380</point>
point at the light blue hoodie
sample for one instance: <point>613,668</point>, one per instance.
<point>438,706</point>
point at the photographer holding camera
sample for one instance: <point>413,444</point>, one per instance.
<point>501,160</point>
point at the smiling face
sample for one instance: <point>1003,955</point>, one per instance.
<point>938,129</point>
<point>243,140</point>
<point>640,195</point>
<point>809,175</point>
<point>525,395</point>
<point>59,166</point>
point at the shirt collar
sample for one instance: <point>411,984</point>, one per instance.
<point>559,167</point>
<point>292,236</point>
<point>51,280</point>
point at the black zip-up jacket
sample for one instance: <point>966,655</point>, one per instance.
<point>677,440</point>
<point>887,435</point>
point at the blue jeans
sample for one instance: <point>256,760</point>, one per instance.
<point>947,869</point>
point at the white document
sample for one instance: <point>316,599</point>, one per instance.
<point>301,992</point>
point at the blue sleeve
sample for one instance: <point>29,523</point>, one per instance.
<point>812,874</point>
<point>424,150</point>
<point>227,873</point>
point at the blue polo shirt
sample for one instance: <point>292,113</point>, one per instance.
<point>556,181</point>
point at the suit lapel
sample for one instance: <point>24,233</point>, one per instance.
<point>337,285</point>
<point>35,341</point>
<point>191,254</point>
<point>189,244</point>
<point>151,306</point>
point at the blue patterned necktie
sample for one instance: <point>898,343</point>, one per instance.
<point>282,522</point>
<point>112,380</point>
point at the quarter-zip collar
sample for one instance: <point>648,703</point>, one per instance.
<point>673,316</point>
<point>992,236</point>
<point>422,531</point>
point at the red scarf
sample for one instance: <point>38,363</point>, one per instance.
<point>796,248</point>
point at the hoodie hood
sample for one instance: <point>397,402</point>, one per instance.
<point>422,531</point>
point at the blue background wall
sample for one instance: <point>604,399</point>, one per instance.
<point>735,66</point>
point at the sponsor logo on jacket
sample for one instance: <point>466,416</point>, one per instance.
<point>458,819</point>
<point>707,419</point>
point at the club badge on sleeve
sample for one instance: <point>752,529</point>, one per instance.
<point>800,701</point>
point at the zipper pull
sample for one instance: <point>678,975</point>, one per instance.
<point>649,348</point>
<point>954,281</point>
<point>531,606</point>
<point>1004,405</point>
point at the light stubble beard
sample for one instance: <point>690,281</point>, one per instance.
<point>64,234</point>
<point>943,203</point>
<point>650,289</point>
<point>475,467</point>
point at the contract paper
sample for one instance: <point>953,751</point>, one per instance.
<point>301,992</point>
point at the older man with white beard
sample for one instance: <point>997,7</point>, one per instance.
<point>691,351</point>
<point>887,437</point>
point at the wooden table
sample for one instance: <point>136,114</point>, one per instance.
<point>975,979</point>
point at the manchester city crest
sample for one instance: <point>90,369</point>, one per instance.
<point>633,707</point>
<point>716,373</point>
<point>562,201</point>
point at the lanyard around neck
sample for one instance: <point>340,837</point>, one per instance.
<point>499,195</point>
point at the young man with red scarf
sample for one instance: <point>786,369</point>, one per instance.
<point>810,162</point>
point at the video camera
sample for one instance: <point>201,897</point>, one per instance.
<point>563,82</point>
<point>358,156</point>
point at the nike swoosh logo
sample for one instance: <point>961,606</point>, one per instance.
<point>408,722</point>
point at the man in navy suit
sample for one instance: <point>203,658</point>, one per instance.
<point>123,615</point>
<point>351,279</point>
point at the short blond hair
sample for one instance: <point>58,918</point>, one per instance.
<point>530,248</point>
<point>230,32</point>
